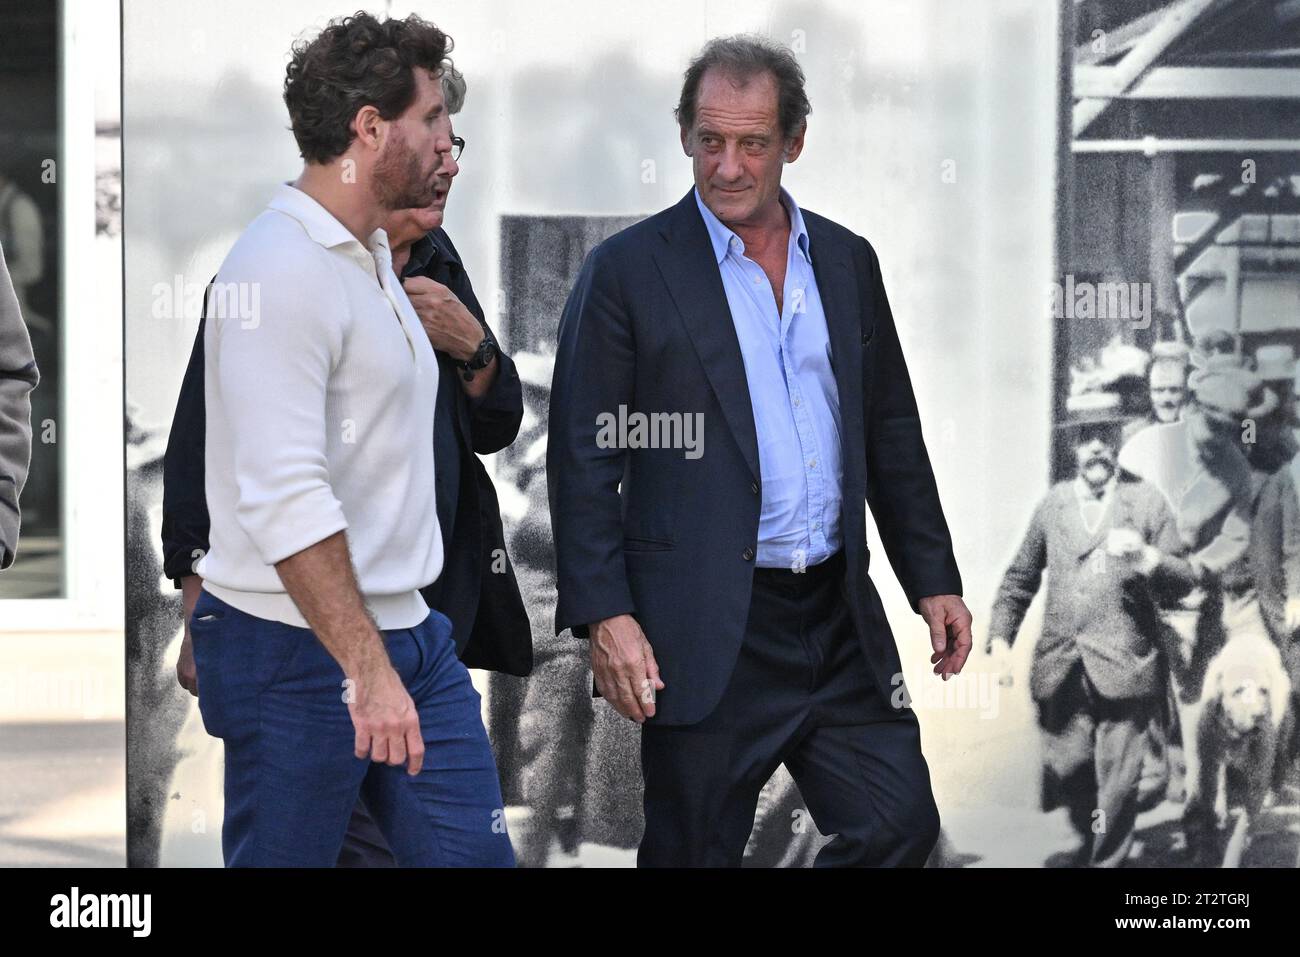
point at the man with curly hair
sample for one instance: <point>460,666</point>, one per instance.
<point>320,663</point>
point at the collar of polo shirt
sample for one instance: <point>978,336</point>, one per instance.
<point>324,228</point>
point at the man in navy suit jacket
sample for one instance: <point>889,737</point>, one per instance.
<point>729,394</point>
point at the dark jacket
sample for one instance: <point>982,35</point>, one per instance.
<point>1275,562</point>
<point>477,588</point>
<point>673,540</point>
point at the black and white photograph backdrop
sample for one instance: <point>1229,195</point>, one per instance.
<point>1087,214</point>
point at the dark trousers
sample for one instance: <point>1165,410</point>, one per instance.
<point>364,844</point>
<point>800,695</point>
<point>275,696</point>
<point>1093,748</point>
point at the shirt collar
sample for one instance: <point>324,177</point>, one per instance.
<point>423,251</point>
<point>721,235</point>
<point>446,252</point>
<point>319,223</point>
<point>431,250</point>
<point>1083,491</point>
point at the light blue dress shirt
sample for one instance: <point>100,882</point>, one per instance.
<point>793,394</point>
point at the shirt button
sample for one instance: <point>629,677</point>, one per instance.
<point>747,554</point>
<point>812,463</point>
<point>796,402</point>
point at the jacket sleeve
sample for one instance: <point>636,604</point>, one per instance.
<point>18,376</point>
<point>901,490</point>
<point>595,366</point>
<point>1174,576</point>
<point>1289,508</point>
<point>496,416</point>
<point>185,504</point>
<point>1021,581</point>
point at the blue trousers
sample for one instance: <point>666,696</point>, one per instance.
<point>275,696</point>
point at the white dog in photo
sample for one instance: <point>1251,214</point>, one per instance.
<point>1242,714</point>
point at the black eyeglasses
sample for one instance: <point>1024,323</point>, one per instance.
<point>457,147</point>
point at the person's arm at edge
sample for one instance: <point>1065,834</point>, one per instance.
<point>495,393</point>
<point>185,521</point>
<point>186,673</point>
<point>18,377</point>
<point>498,410</point>
<point>496,396</point>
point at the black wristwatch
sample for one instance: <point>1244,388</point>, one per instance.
<point>482,357</point>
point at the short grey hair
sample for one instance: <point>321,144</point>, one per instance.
<point>453,88</point>
<point>743,57</point>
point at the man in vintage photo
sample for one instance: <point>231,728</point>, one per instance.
<point>1208,468</point>
<point>318,660</point>
<point>1166,386</point>
<point>725,594</point>
<point>1110,549</point>
<point>1202,467</point>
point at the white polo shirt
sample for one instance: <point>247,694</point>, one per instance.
<point>320,386</point>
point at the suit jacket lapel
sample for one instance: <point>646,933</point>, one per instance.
<point>842,303</point>
<point>690,271</point>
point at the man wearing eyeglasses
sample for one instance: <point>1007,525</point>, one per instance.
<point>450,541</point>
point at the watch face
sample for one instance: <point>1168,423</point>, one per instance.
<point>483,356</point>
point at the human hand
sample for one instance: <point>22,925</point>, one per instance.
<point>950,635</point>
<point>624,666</point>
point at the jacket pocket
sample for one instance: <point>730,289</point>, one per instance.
<point>647,545</point>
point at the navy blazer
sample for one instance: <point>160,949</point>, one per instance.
<point>477,590</point>
<point>672,540</point>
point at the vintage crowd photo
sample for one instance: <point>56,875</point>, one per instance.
<point>1004,296</point>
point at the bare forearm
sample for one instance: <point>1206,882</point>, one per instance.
<point>481,380</point>
<point>186,673</point>
<point>321,581</point>
<point>191,585</point>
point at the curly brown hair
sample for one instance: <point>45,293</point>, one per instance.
<point>357,61</point>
